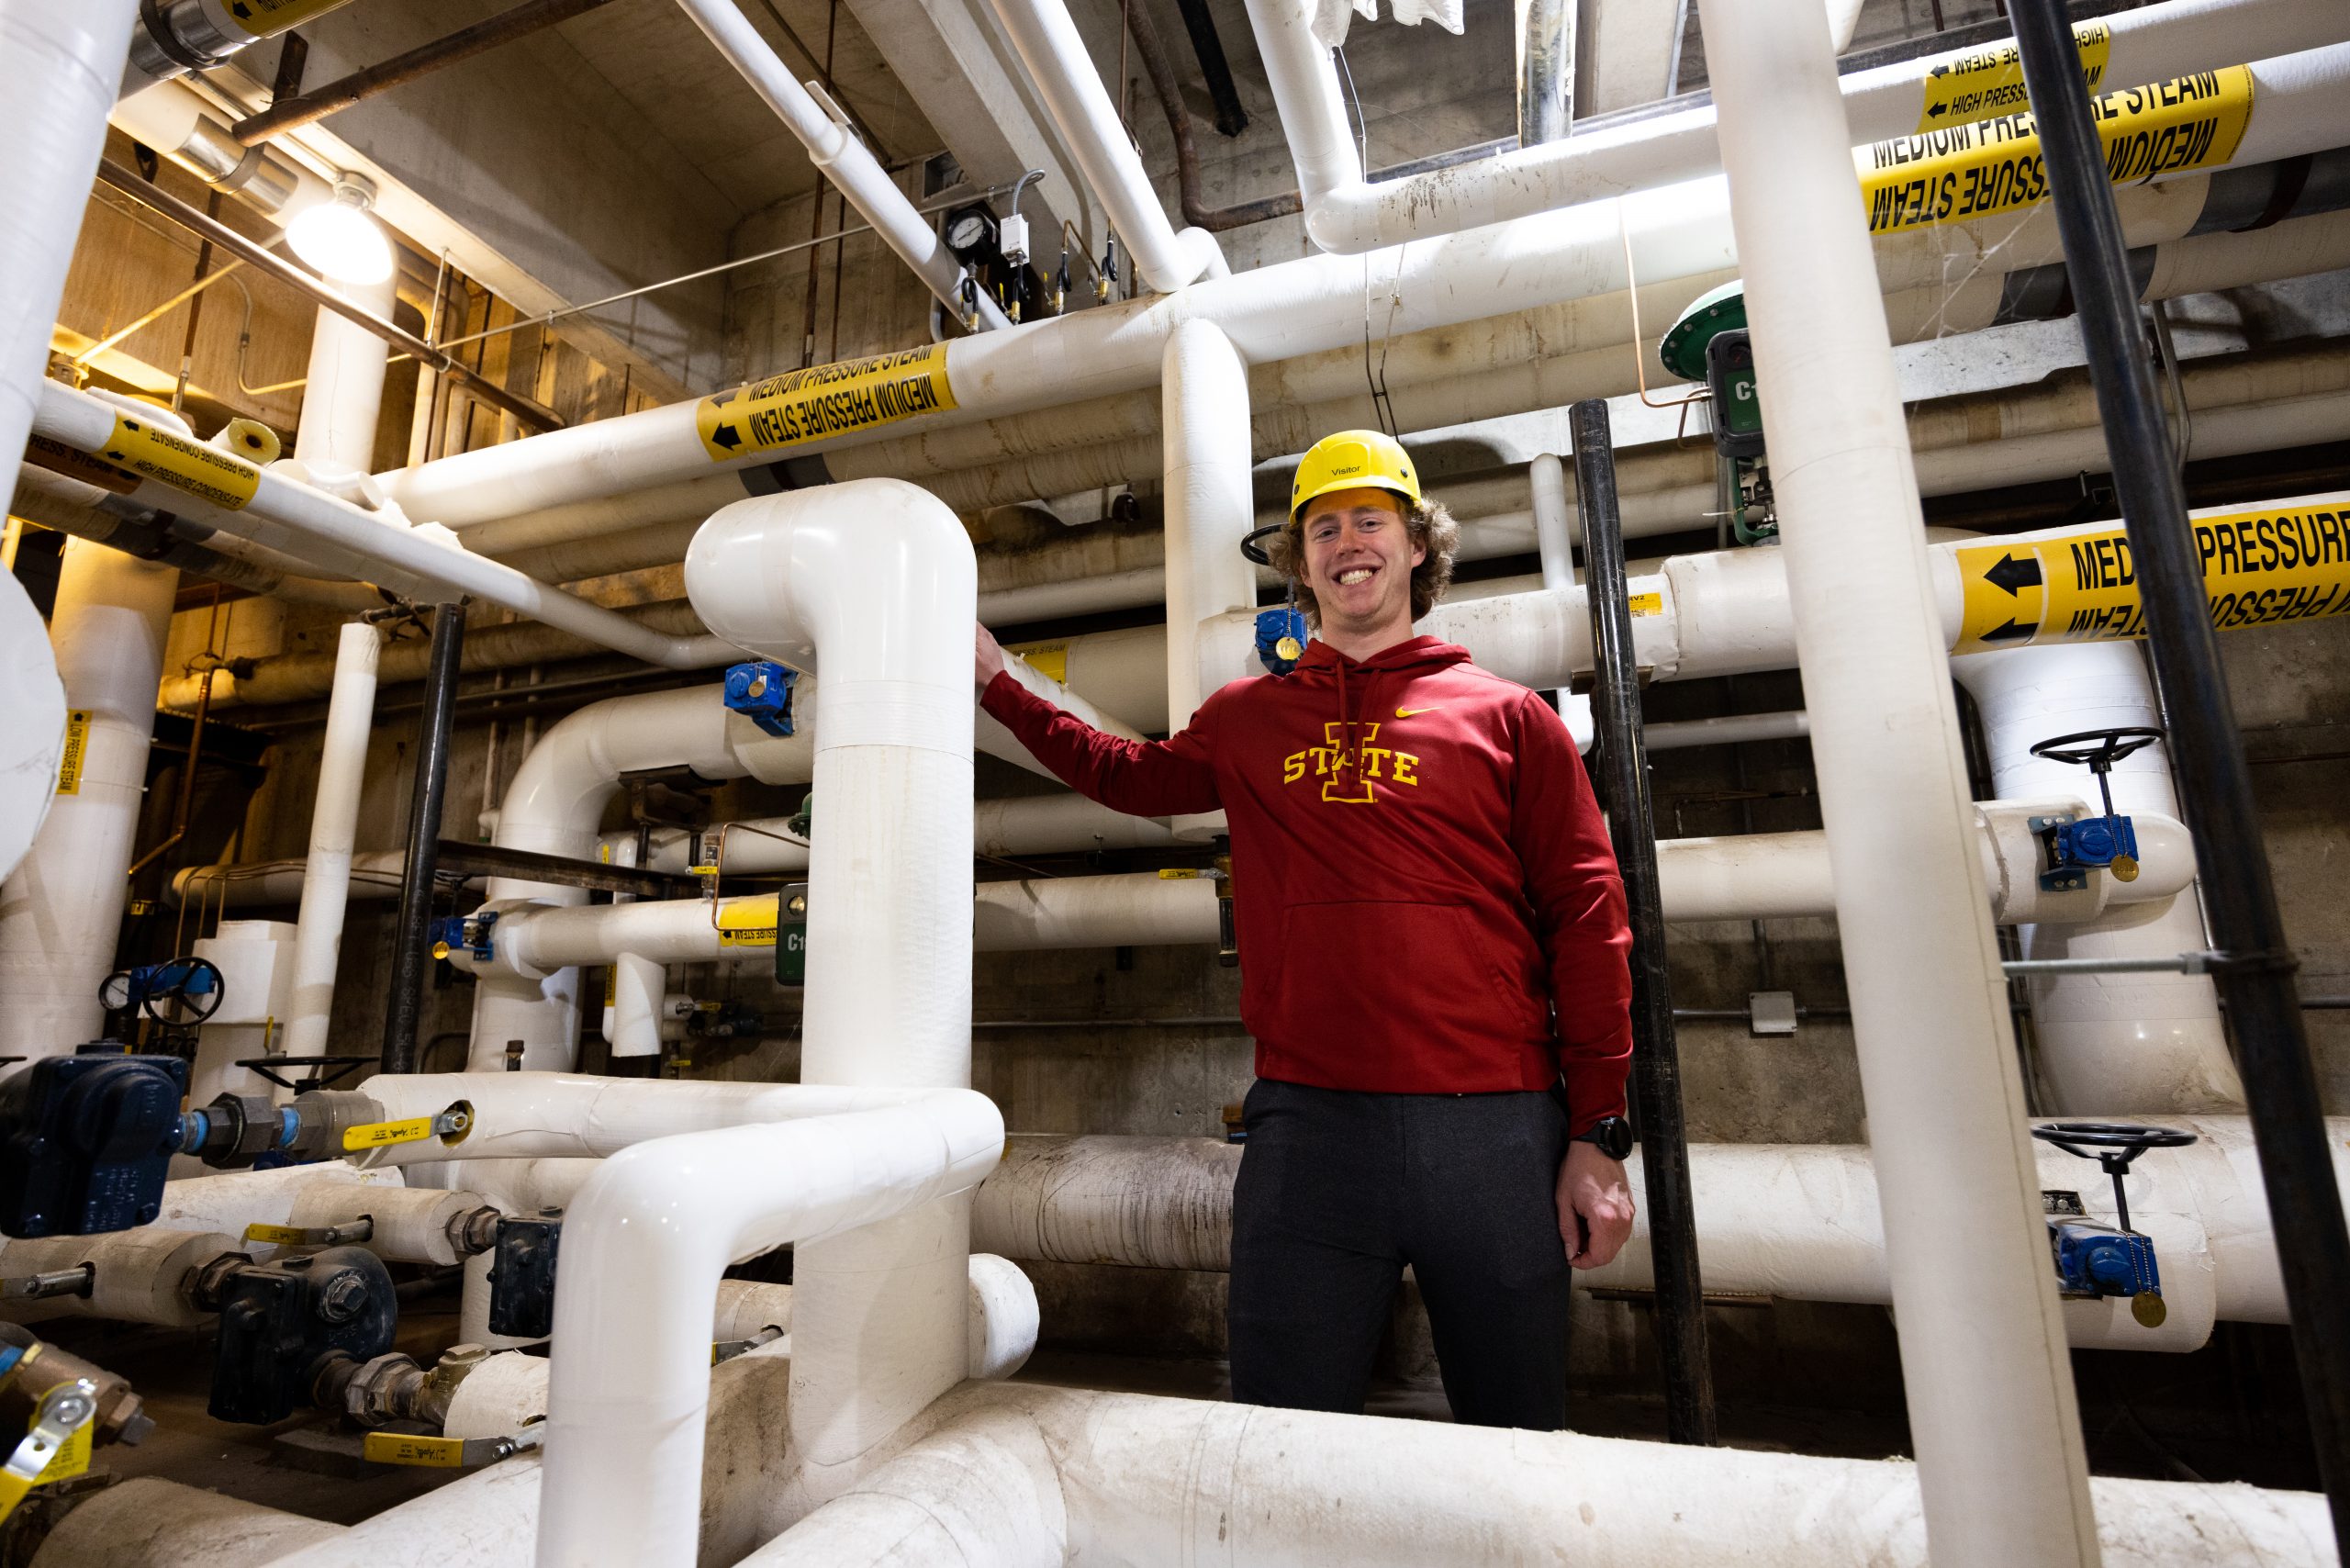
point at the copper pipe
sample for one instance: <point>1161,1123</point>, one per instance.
<point>1164,83</point>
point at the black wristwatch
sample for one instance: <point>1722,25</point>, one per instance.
<point>1612,1135</point>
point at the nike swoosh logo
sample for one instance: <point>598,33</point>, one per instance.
<point>1407,712</point>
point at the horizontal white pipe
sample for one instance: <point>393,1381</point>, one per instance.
<point>1347,215</point>
<point>1676,734</point>
<point>363,544</point>
<point>1798,1221</point>
<point>836,150</point>
<point>631,1380</point>
<point>410,1225</point>
<point>1155,1483</point>
<point>135,1276</point>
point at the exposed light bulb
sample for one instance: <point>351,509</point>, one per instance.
<point>340,239</point>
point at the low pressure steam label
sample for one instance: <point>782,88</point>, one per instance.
<point>136,446</point>
<point>1972,171</point>
<point>2260,568</point>
<point>825,400</point>
<point>1988,81</point>
<point>78,750</point>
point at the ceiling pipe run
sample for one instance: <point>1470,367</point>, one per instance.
<point>833,146</point>
<point>1348,215</point>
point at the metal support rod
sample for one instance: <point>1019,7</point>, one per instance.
<point>2256,974</point>
<point>1546,70</point>
<point>1656,1065</point>
<point>260,257</point>
<point>1207,48</point>
<point>406,998</point>
<point>464,43</point>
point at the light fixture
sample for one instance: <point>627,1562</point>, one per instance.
<point>340,239</point>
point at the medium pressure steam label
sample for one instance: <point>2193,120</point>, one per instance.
<point>1972,171</point>
<point>138,446</point>
<point>2260,568</point>
<point>823,401</point>
<point>1988,81</point>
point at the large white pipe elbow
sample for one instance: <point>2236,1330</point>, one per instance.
<point>643,1245</point>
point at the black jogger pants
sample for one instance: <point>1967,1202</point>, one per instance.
<point>1339,1189</point>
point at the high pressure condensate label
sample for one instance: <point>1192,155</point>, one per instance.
<point>1973,170</point>
<point>2260,568</point>
<point>823,401</point>
<point>1989,81</point>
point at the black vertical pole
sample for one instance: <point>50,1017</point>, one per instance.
<point>1656,1060</point>
<point>411,938</point>
<point>2253,962</point>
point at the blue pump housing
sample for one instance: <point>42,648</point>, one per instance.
<point>1275,626</point>
<point>761,692</point>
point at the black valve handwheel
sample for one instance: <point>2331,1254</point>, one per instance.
<point>1255,551</point>
<point>2113,1145</point>
<point>183,1004</point>
<point>2110,747</point>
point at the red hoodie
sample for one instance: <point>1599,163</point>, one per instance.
<point>1421,877</point>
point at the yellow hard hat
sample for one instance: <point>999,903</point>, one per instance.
<point>1353,460</point>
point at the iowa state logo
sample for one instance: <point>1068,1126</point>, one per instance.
<point>1348,764</point>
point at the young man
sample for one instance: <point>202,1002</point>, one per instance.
<point>1432,959</point>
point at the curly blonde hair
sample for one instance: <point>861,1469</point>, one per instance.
<point>1431,528</point>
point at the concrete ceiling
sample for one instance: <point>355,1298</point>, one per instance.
<point>653,59</point>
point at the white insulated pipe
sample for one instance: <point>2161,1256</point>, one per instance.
<point>834,146</point>
<point>60,65</point>
<point>1054,55</point>
<point>334,835</point>
<point>2002,1473</point>
<point>873,586</point>
<point>1347,215</point>
<point>343,394</point>
<point>1210,505</point>
<point>340,536</point>
<point>2108,1043</point>
<point>61,909</point>
<point>1146,1481</point>
<point>639,985</point>
<point>1730,728</point>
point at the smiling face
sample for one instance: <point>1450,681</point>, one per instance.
<point>1359,561</point>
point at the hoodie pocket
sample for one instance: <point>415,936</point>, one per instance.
<point>1380,977</point>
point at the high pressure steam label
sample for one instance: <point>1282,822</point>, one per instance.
<point>1973,170</point>
<point>2260,568</point>
<point>1988,81</point>
<point>823,401</point>
<point>138,446</point>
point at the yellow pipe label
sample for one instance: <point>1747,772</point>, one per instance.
<point>267,18</point>
<point>2260,568</point>
<point>1645,603</point>
<point>77,748</point>
<point>823,401</point>
<point>1045,658</point>
<point>1971,171</point>
<point>276,1235</point>
<point>750,923</point>
<point>382,1134</point>
<point>1989,81</point>
<point>136,446</point>
<point>407,1448</point>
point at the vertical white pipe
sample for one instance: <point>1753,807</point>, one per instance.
<point>58,68</point>
<point>1210,505</point>
<point>345,395</point>
<point>877,577</point>
<point>836,150</point>
<point>638,985</point>
<point>2113,1043</point>
<point>61,910</point>
<point>1305,95</point>
<point>1983,1348</point>
<point>1547,478</point>
<point>1050,48</point>
<point>334,833</point>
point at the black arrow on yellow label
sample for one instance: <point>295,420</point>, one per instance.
<point>1934,112</point>
<point>2012,574</point>
<point>2009,633</point>
<point>726,436</point>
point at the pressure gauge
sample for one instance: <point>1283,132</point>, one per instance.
<point>970,232</point>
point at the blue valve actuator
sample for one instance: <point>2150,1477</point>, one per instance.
<point>2097,841</point>
<point>470,932</point>
<point>1280,638</point>
<point>2094,1260</point>
<point>761,692</point>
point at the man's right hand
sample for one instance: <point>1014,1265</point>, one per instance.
<point>988,660</point>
